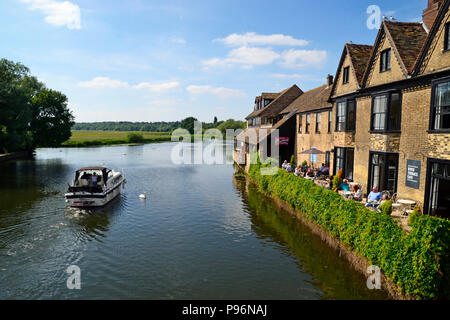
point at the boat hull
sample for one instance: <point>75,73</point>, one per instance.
<point>86,199</point>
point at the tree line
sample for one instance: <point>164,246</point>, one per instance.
<point>31,115</point>
<point>187,124</point>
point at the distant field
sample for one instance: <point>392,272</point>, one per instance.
<point>86,138</point>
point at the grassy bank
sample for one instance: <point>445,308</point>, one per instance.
<point>416,264</point>
<point>92,138</point>
<point>88,138</point>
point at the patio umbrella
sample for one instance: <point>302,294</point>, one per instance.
<point>313,151</point>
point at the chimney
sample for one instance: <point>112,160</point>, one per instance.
<point>330,80</point>
<point>430,13</point>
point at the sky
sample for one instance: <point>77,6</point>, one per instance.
<point>145,60</point>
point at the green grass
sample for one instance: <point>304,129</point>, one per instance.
<point>88,138</point>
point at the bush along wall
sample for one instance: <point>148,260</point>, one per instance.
<point>417,264</point>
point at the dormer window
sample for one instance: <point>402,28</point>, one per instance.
<point>346,75</point>
<point>385,60</point>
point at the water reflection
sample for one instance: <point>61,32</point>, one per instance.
<point>332,274</point>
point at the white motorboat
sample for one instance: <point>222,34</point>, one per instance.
<point>94,187</point>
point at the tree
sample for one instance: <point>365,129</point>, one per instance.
<point>17,87</point>
<point>188,124</point>
<point>215,120</point>
<point>231,124</point>
<point>51,119</point>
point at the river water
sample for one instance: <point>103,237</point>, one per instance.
<point>202,233</point>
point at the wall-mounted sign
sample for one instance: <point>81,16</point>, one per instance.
<point>413,174</point>
<point>282,141</point>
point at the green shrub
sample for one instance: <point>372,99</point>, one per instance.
<point>413,217</point>
<point>386,207</point>
<point>135,137</point>
<point>336,182</point>
<point>292,163</point>
<point>304,163</point>
<point>418,263</point>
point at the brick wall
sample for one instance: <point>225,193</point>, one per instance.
<point>375,76</point>
<point>414,139</point>
<point>352,85</point>
<point>322,141</point>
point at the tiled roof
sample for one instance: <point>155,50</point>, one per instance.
<point>314,99</point>
<point>269,96</point>
<point>360,56</point>
<point>285,97</point>
<point>432,33</point>
<point>408,38</point>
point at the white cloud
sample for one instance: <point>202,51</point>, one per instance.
<point>104,82</point>
<point>286,76</point>
<point>245,56</point>
<point>302,58</point>
<point>220,92</point>
<point>251,38</point>
<point>160,87</point>
<point>58,13</point>
<point>178,40</point>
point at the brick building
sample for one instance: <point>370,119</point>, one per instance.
<point>385,120</point>
<point>395,131</point>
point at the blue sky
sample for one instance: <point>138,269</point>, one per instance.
<point>142,60</point>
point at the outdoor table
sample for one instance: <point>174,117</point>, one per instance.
<point>406,202</point>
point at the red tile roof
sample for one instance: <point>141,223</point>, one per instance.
<point>408,38</point>
<point>360,56</point>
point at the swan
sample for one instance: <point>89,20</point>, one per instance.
<point>143,196</point>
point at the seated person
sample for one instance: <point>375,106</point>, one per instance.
<point>373,199</point>
<point>298,171</point>
<point>94,179</point>
<point>344,186</point>
<point>284,165</point>
<point>330,182</point>
<point>289,168</point>
<point>309,174</point>
<point>357,193</point>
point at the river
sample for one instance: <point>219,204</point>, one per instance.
<point>202,233</point>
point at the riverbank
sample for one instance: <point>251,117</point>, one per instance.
<point>413,266</point>
<point>90,138</point>
<point>14,156</point>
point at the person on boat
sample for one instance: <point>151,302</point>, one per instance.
<point>94,179</point>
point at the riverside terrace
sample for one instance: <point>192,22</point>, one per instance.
<point>352,191</point>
